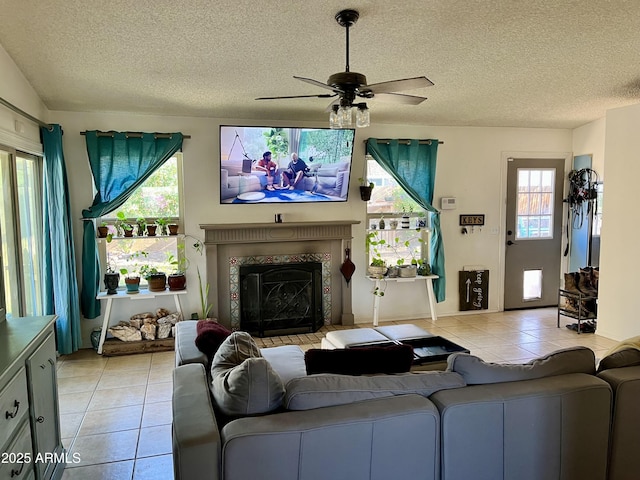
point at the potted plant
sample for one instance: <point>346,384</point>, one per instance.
<point>156,279</point>
<point>131,280</point>
<point>103,230</point>
<point>142,225</point>
<point>123,227</point>
<point>377,268</point>
<point>151,229</point>
<point>111,279</point>
<point>205,306</point>
<point>178,279</point>
<point>365,189</point>
<point>162,224</point>
<point>173,228</point>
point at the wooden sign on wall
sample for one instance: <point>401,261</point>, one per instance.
<point>474,290</point>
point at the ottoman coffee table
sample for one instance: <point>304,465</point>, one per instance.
<point>430,351</point>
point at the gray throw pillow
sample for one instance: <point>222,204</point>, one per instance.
<point>325,390</point>
<point>242,381</point>
<point>629,357</point>
<point>475,371</point>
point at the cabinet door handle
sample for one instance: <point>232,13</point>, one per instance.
<point>16,473</point>
<point>16,406</point>
<point>40,419</point>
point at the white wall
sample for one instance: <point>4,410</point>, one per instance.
<point>469,168</point>
<point>589,140</point>
<point>618,315</point>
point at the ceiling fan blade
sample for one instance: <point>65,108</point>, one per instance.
<point>399,85</point>
<point>317,83</point>
<point>322,95</point>
<point>399,98</point>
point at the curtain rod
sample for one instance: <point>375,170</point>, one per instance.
<point>25,114</point>
<point>406,141</point>
<point>135,134</point>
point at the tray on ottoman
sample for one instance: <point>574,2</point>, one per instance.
<point>433,349</point>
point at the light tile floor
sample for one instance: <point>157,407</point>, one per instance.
<point>116,412</point>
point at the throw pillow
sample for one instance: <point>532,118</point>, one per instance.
<point>242,381</point>
<point>359,361</point>
<point>209,336</point>
<point>476,372</point>
<point>326,390</point>
<point>629,357</point>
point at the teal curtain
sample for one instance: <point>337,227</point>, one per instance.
<point>413,166</point>
<point>120,163</point>
<point>59,259</point>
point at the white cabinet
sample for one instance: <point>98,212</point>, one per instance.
<point>30,441</point>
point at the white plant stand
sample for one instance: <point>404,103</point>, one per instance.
<point>144,294</point>
<point>428,280</point>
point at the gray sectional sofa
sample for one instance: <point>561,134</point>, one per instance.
<point>257,415</point>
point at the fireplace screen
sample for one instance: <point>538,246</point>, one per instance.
<point>280,299</point>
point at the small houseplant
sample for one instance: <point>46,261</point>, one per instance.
<point>162,224</point>
<point>365,189</point>
<point>103,230</point>
<point>142,226</point>
<point>123,227</point>
<point>178,279</point>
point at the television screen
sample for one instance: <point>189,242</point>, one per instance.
<point>273,165</point>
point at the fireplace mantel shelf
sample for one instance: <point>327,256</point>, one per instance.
<point>217,234</point>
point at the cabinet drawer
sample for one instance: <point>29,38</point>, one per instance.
<point>14,405</point>
<point>16,462</point>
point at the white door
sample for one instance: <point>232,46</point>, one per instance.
<point>534,232</point>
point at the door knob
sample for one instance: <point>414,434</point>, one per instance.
<point>510,243</point>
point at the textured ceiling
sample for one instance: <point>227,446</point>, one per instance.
<point>520,63</point>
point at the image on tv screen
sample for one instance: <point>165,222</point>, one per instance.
<point>280,164</point>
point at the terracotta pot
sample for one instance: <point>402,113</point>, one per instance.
<point>157,282</point>
<point>151,230</point>
<point>177,281</point>
<point>103,232</point>
<point>132,284</point>
<point>173,229</point>
<point>128,233</point>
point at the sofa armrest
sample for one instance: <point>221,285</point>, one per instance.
<point>185,344</point>
<point>195,435</point>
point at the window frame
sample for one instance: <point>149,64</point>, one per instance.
<point>16,232</point>
<point>102,244</point>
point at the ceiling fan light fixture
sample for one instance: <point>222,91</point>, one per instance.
<point>334,118</point>
<point>345,114</point>
<point>363,116</point>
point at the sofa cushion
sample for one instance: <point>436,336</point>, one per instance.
<point>629,357</point>
<point>325,390</point>
<point>209,336</point>
<point>476,371</point>
<point>242,381</point>
<point>360,360</point>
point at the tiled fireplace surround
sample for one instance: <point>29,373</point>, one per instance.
<point>230,245</point>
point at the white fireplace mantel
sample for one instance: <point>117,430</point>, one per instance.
<point>225,242</point>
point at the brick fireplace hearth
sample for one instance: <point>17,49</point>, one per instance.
<point>229,246</point>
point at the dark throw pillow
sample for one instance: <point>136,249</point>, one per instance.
<point>360,360</point>
<point>209,336</point>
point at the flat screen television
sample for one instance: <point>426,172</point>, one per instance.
<point>284,165</point>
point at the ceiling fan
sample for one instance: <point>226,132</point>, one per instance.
<point>347,86</point>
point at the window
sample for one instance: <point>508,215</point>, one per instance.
<point>158,200</point>
<point>535,203</point>
<point>21,232</point>
<point>388,204</point>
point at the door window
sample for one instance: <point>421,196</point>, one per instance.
<point>534,215</point>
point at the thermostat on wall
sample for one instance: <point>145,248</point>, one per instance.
<point>448,203</point>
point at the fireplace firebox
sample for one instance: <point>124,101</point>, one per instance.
<point>279,299</point>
